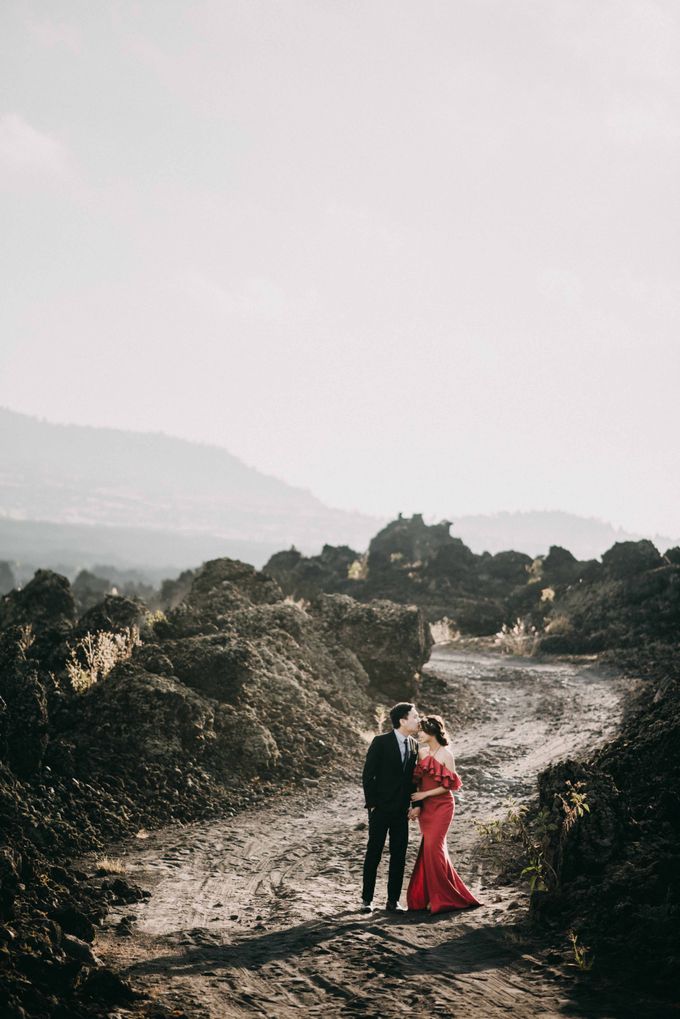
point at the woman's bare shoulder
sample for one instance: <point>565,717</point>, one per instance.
<point>447,759</point>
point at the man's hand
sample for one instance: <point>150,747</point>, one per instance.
<point>414,813</point>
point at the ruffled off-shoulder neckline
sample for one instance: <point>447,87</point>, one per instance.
<point>429,765</point>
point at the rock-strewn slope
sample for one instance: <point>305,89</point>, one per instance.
<point>617,868</point>
<point>632,598</point>
<point>234,693</point>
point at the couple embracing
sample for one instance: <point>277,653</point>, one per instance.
<point>407,780</point>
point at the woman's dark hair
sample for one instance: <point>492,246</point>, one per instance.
<point>433,725</point>
<point>398,712</point>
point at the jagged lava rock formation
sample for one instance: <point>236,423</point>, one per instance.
<point>632,595</point>
<point>617,869</point>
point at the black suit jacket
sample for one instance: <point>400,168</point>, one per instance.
<point>387,783</point>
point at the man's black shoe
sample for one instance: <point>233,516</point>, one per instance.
<point>395,907</point>
<point>366,907</point>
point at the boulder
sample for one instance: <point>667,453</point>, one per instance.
<point>215,665</point>
<point>73,922</point>
<point>113,613</point>
<point>80,950</point>
<point>409,540</point>
<point>511,568</point>
<point>88,589</point>
<point>628,558</point>
<point>559,566</point>
<point>134,715</point>
<point>46,602</point>
<point>307,577</point>
<point>391,641</point>
<point>224,584</point>
<point>217,590</point>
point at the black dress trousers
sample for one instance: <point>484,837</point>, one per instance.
<point>380,823</point>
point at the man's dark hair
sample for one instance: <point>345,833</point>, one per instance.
<point>398,712</point>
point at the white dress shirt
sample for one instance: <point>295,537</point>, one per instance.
<point>403,744</point>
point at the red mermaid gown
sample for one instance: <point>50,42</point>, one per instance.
<point>434,880</point>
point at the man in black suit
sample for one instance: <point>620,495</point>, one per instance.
<point>388,784</point>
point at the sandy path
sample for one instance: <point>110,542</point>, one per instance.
<point>256,915</point>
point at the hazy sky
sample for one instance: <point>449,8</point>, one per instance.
<point>416,256</point>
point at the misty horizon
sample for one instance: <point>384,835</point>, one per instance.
<point>409,258</point>
<point>70,493</point>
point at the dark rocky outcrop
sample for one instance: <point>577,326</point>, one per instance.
<point>617,869</point>
<point>46,603</point>
<point>631,600</point>
<point>391,641</point>
<point>46,610</point>
<point>631,596</point>
<point>411,563</point>
<point>629,558</point>
<point>89,589</point>
<point>307,576</point>
<point>113,613</point>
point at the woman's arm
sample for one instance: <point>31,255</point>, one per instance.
<point>416,797</point>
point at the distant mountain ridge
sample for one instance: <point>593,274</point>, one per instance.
<point>72,496</point>
<point>79,476</point>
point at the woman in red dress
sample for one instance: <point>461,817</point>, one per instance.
<point>434,884</point>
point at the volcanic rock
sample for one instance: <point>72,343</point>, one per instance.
<point>627,558</point>
<point>617,867</point>
<point>307,577</point>
<point>114,614</point>
<point>88,589</point>
<point>46,602</point>
<point>391,641</point>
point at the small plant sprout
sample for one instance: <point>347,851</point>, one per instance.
<point>574,803</point>
<point>580,952</point>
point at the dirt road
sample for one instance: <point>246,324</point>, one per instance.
<point>256,915</point>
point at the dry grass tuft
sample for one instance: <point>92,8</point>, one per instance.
<point>520,639</point>
<point>111,865</point>
<point>95,654</point>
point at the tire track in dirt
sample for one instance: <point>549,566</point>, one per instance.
<point>256,914</point>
